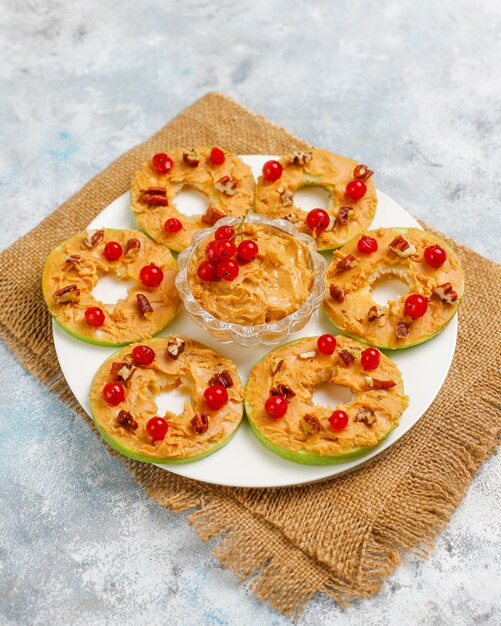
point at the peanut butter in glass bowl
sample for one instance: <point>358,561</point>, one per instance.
<point>273,295</point>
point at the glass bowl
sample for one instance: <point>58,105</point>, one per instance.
<point>250,336</point>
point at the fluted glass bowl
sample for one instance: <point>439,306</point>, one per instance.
<point>250,336</point>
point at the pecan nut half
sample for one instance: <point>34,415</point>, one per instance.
<point>336,293</point>
<point>125,420</point>
<point>191,158</point>
<point>211,216</point>
<point>144,305</point>
<point>402,246</point>
<point>292,217</point>
<point>227,185</point>
<point>446,293</point>
<point>175,346</point>
<point>365,415</point>
<point>310,424</point>
<point>132,247</point>
<point>300,158</point>
<point>199,423</point>
<point>346,357</point>
<point>223,378</point>
<point>122,371</point>
<point>375,313</point>
<point>348,263</point>
<point>282,390</point>
<point>362,172</point>
<point>276,366</point>
<point>154,196</point>
<point>286,197</point>
<point>93,238</point>
<point>402,330</point>
<point>377,383</point>
<point>70,293</point>
<point>72,258</point>
<point>345,214</point>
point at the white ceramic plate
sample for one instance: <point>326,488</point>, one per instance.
<point>244,462</point>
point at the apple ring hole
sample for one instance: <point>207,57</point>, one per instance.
<point>388,289</point>
<point>312,197</point>
<point>189,201</point>
<point>331,395</point>
<point>172,400</point>
<point>110,289</point>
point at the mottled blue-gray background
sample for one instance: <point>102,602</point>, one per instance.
<point>412,88</point>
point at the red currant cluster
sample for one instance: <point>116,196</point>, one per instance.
<point>220,252</point>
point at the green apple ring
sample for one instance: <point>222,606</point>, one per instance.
<point>332,172</point>
<point>304,434</point>
<point>352,275</point>
<point>75,266</point>
<point>179,363</point>
<point>229,188</point>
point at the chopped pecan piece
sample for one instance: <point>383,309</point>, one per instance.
<point>402,330</point>
<point>362,172</point>
<point>174,347</point>
<point>211,216</point>
<point>223,378</point>
<point>122,371</point>
<point>347,263</point>
<point>200,423</point>
<point>365,415</point>
<point>154,196</point>
<point>377,383</point>
<point>308,355</point>
<point>282,390</point>
<point>401,246</point>
<point>72,258</point>
<point>310,424</point>
<point>227,185</point>
<point>144,305</point>
<point>300,158</point>
<point>71,293</point>
<point>125,420</point>
<point>93,237</point>
<point>132,247</point>
<point>375,313</point>
<point>346,357</point>
<point>345,214</point>
<point>337,294</point>
<point>287,197</point>
<point>276,366</point>
<point>191,158</point>
<point>446,293</point>
<point>292,217</point>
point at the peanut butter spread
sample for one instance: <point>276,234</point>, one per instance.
<point>270,287</point>
<point>351,276</point>
<point>73,269</point>
<point>321,169</point>
<point>229,188</point>
<point>299,366</point>
<point>189,369</point>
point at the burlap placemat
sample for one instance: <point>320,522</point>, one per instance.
<point>341,537</point>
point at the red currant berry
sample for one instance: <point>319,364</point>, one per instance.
<point>416,305</point>
<point>113,393</point>
<point>338,420</point>
<point>247,250</point>
<point>276,407</point>
<point>113,250</point>
<point>157,428</point>
<point>224,249</point>
<point>94,316</point>
<point>366,245</point>
<point>317,219</point>
<point>208,270</point>
<point>228,269</point>
<point>370,358</point>
<point>215,397</point>
<point>173,225</point>
<point>224,232</point>
<point>326,344</point>
<point>210,251</point>
<point>217,156</point>
<point>435,256</point>
<point>272,170</point>
<point>162,163</point>
<point>143,355</point>
<point>356,189</point>
<point>151,275</point>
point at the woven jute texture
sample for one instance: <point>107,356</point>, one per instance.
<point>341,537</point>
